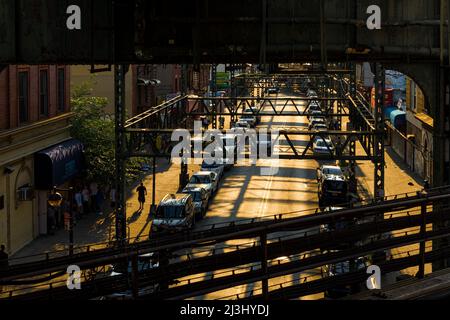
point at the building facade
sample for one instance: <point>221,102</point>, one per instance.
<point>34,116</point>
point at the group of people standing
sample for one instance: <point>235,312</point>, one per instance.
<point>87,199</point>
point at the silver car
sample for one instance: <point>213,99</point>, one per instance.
<point>201,200</point>
<point>320,146</point>
<point>207,180</point>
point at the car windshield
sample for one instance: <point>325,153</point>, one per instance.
<point>200,179</point>
<point>170,212</point>
<point>320,127</point>
<point>335,171</point>
<point>209,165</point>
<point>331,185</point>
<point>196,195</point>
<point>321,143</point>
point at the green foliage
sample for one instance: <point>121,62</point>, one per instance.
<point>95,129</point>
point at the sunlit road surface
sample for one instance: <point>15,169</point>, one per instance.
<point>246,193</point>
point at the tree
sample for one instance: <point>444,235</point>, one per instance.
<point>95,129</point>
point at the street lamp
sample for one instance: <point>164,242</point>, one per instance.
<point>55,199</point>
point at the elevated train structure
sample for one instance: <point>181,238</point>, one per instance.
<point>407,220</point>
<point>413,39</point>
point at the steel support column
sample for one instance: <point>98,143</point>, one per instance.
<point>213,94</point>
<point>379,134</point>
<point>120,154</point>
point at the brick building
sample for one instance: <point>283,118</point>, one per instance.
<point>34,120</point>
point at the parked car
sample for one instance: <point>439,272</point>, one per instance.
<point>314,113</point>
<point>250,119</point>
<point>320,127</point>
<point>316,120</point>
<point>201,200</point>
<point>340,268</point>
<point>205,179</point>
<point>311,93</point>
<point>216,166</point>
<point>320,146</point>
<point>175,212</point>
<point>251,111</point>
<point>242,124</point>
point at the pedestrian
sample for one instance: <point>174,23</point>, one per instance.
<point>142,192</point>
<point>4,264</point>
<point>67,217</point>
<point>86,197</point>
<point>79,203</point>
<point>112,197</point>
<point>99,200</point>
<point>51,220</point>
<point>94,190</point>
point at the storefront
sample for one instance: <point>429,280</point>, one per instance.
<point>56,166</point>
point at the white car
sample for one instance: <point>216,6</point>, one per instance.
<point>242,124</point>
<point>204,179</point>
<point>216,166</point>
<point>316,120</point>
<point>320,127</point>
<point>320,146</point>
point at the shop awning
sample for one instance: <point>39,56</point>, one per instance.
<point>58,164</point>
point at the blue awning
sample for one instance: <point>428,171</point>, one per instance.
<point>58,164</point>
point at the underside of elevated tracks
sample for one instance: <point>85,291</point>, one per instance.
<point>414,39</point>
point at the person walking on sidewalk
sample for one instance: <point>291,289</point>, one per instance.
<point>142,192</point>
<point>4,264</point>
<point>94,190</point>
<point>86,197</point>
<point>112,197</point>
<point>79,203</point>
<point>99,199</point>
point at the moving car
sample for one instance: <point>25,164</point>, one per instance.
<point>175,212</point>
<point>273,90</point>
<point>329,170</point>
<point>332,186</point>
<point>321,146</point>
<point>205,179</point>
<point>340,268</point>
<point>145,262</point>
<point>201,200</point>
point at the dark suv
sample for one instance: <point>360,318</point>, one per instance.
<point>332,186</point>
<point>175,212</point>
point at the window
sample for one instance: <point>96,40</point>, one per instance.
<point>23,96</point>
<point>61,90</point>
<point>43,93</point>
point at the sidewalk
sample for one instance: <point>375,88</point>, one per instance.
<point>95,229</point>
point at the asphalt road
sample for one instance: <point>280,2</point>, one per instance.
<point>245,192</point>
